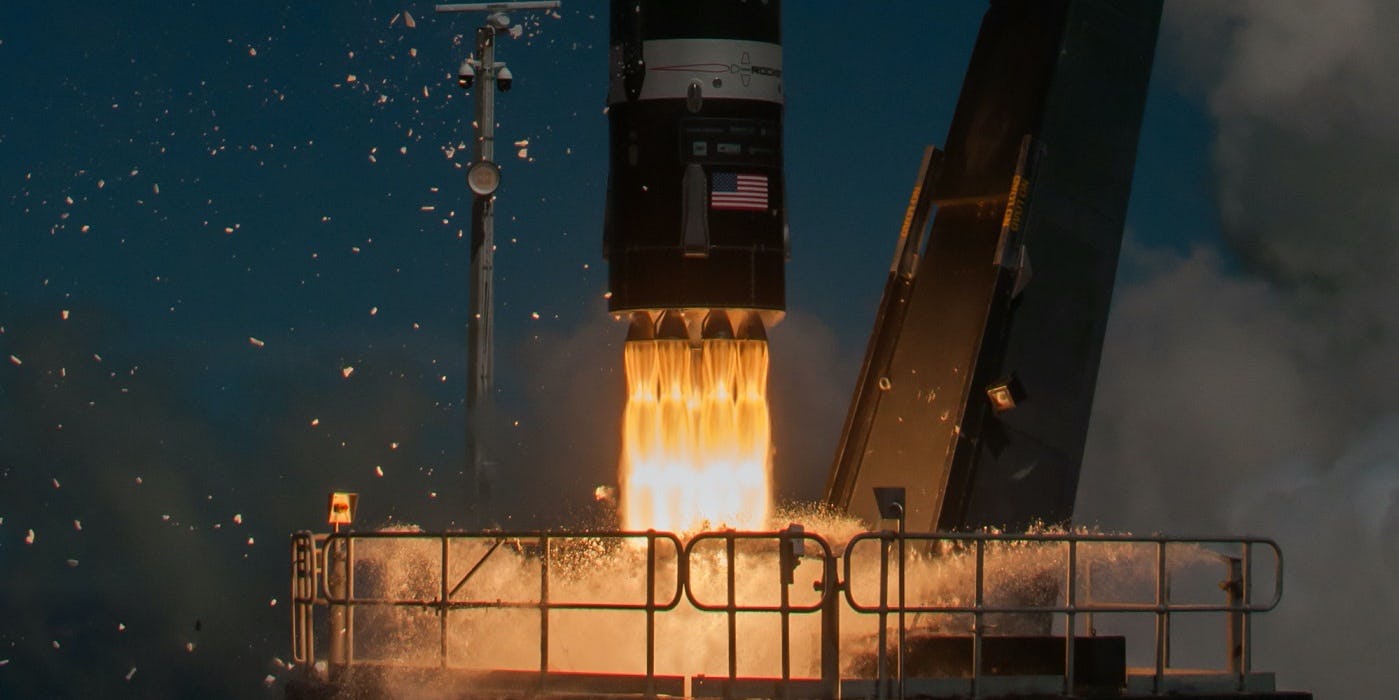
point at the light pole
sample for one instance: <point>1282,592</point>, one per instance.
<point>483,177</point>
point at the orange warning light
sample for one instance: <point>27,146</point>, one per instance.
<point>342,508</point>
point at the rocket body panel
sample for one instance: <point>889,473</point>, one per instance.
<point>696,214</point>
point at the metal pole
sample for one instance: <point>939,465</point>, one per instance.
<point>830,628</point>
<point>350,608</point>
<point>785,546</point>
<point>978,618</point>
<point>442,609</point>
<point>1233,637</point>
<point>1160,671</point>
<point>543,611</point>
<point>733,617</point>
<point>901,602</point>
<point>1089,629</point>
<point>496,6</point>
<point>650,613</point>
<point>481,325</point>
<point>337,586</point>
<point>1072,600</point>
<point>880,663</point>
<point>1246,638</point>
<point>1167,635</point>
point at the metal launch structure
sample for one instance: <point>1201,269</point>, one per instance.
<point>967,424</point>
<point>483,178</point>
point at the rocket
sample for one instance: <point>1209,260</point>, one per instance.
<point>696,227</point>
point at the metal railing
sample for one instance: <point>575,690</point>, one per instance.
<point>323,576</point>
<point>791,548</point>
<point>1240,604</point>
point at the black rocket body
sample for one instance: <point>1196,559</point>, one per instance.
<point>696,216</point>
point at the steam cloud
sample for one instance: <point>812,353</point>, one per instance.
<point>1265,401</point>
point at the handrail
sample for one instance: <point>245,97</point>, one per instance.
<point>325,596</point>
<point>323,573</point>
<point>1161,607</point>
<point>1087,607</point>
<point>733,535</point>
<point>788,559</point>
<point>303,597</point>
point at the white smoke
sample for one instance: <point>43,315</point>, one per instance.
<point>1267,400</point>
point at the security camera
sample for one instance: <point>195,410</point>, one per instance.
<point>466,75</point>
<point>504,79</point>
<point>499,20</point>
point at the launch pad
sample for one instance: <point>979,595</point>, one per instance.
<point>970,413</point>
<point>781,614</point>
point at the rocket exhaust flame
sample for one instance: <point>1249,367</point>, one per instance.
<point>696,436</point>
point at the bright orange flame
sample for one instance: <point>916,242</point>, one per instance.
<point>696,439</point>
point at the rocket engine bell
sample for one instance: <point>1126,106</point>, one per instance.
<point>696,216</point>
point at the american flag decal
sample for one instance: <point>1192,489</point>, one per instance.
<point>738,191</point>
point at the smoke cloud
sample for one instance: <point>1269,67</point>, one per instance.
<point>1260,396</point>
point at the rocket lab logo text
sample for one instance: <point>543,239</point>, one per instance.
<point>744,69</point>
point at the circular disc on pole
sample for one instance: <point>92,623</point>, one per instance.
<point>483,178</point>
